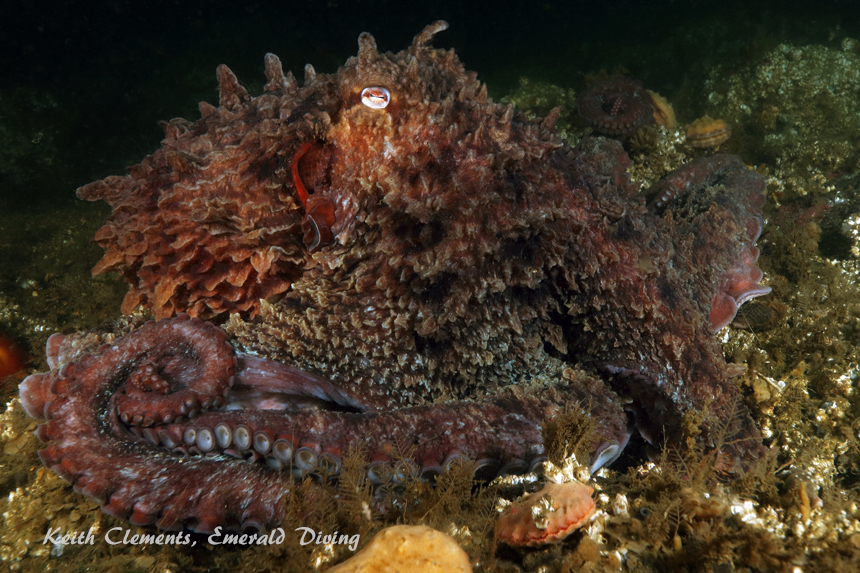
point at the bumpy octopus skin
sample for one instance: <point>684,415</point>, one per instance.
<point>397,264</point>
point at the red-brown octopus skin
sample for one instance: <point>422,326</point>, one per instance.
<point>412,270</point>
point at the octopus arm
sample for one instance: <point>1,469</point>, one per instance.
<point>676,276</point>
<point>151,469</point>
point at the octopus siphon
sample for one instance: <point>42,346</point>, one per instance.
<point>385,260</point>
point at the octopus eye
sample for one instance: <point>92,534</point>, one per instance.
<point>375,97</point>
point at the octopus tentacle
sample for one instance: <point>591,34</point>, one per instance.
<point>711,221</point>
<point>232,467</point>
<point>171,379</point>
<point>269,385</point>
<point>689,191</point>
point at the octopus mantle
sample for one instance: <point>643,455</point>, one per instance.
<point>390,262</point>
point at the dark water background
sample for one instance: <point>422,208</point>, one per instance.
<point>82,85</point>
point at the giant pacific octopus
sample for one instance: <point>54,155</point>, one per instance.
<point>384,260</point>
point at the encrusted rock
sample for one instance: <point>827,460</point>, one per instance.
<point>408,548</point>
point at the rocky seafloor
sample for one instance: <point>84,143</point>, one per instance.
<point>794,113</point>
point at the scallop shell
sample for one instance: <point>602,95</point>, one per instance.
<point>547,516</point>
<point>708,132</point>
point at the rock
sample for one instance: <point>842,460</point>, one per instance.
<point>408,548</point>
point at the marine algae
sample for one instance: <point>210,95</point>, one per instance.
<point>798,508</point>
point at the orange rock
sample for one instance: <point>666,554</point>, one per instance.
<point>408,548</point>
<point>708,132</point>
<point>547,516</point>
<point>664,113</point>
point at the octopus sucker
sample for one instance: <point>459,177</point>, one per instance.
<point>274,430</point>
<point>385,256</point>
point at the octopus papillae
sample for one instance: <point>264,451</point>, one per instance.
<point>385,260</point>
